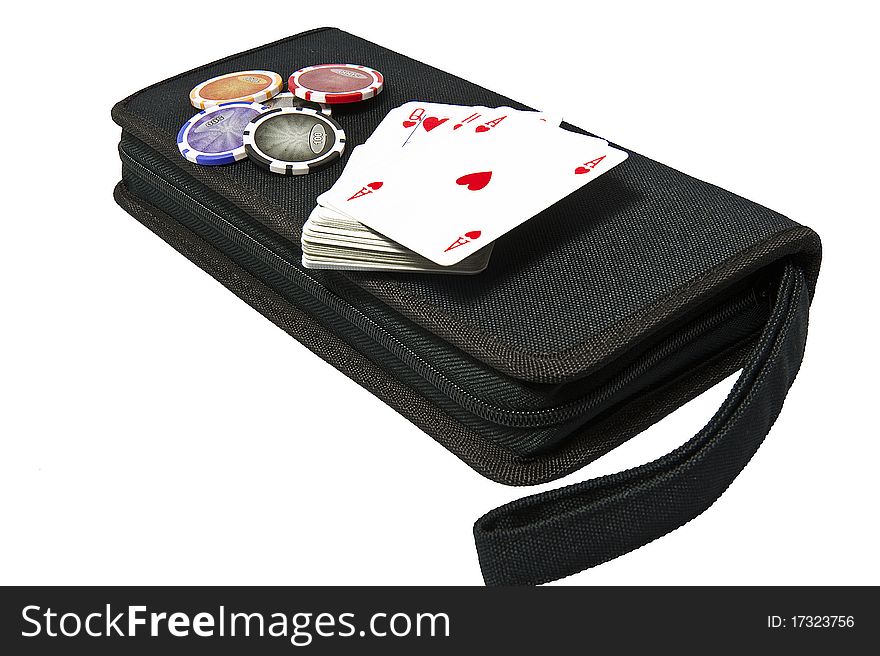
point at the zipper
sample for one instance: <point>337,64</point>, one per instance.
<point>536,418</point>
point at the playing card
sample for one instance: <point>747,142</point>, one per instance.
<point>435,185</point>
<point>446,202</point>
<point>330,241</point>
<point>352,259</point>
<point>483,124</point>
<point>410,123</point>
<point>402,134</point>
<point>429,267</point>
<point>342,230</point>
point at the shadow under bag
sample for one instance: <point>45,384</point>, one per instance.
<point>593,320</point>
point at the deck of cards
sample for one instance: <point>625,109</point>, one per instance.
<point>435,185</point>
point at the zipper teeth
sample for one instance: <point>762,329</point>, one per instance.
<point>503,416</point>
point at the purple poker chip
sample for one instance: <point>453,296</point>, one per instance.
<point>216,135</point>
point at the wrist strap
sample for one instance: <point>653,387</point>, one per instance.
<point>547,536</point>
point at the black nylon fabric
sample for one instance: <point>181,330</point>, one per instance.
<point>522,431</point>
<point>605,267</point>
<point>547,536</point>
<point>472,446</point>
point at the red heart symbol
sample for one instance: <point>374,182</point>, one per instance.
<point>481,128</point>
<point>375,185</point>
<point>409,124</point>
<point>473,234</point>
<point>581,169</point>
<point>475,181</point>
<point>432,122</point>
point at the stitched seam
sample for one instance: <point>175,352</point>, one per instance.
<point>668,301</point>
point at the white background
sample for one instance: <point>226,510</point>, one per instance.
<point>156,430</point>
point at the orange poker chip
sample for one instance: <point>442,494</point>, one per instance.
<point>243,86</point>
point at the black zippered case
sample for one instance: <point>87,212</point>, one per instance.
<point>594,320</point>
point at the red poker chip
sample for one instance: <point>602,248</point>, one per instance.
<point>334,84</point>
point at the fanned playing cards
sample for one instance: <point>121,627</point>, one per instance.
<point>435,185</point>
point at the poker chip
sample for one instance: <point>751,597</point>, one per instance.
<point>336,83</point>
<point>216,135</point>
<point>293,140</point>
<point>287,99</point>
<point>244,86</point>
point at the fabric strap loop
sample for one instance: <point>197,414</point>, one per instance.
<point>547,536</point>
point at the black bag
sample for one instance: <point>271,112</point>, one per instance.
<point>594,320</point>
